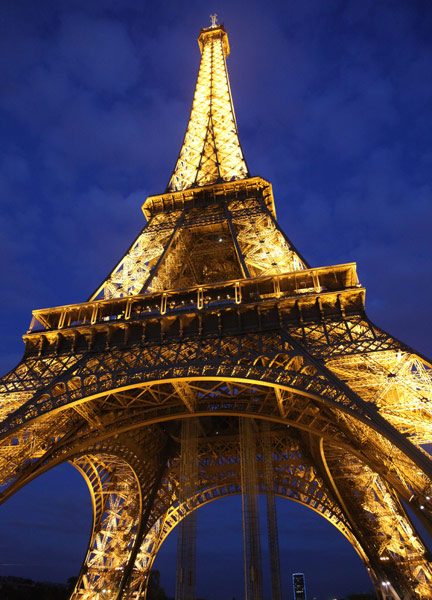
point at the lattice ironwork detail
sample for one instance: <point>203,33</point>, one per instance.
<point>272,528</point>
<point>187,532</point>
<point>212,317</point>
<point>134,270</point>
<point>115,488</point>
<point>399,383</point>
<point>211,149</point>
<point>265,249</point>
<point>398,555</point>
<point>250,511</point>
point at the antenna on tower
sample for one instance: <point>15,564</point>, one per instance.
<point>213,20</point>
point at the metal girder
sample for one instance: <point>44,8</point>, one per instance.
<point>398,382</point>
<point>117,509</point>
<point>263,358</point>
<point>396,554</point>
<point>264,248</point>
<point>134,271</point>
<point>187,532</point>
<point>252,556</point>
<point>211,150</point>
<point>185,393</point>
<point>272,529</point>
<point>213,317</point>
<point>219,458</point>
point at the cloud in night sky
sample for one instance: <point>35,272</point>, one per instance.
<point>333,102</point>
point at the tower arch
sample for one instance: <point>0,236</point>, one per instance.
<point>213,314</point>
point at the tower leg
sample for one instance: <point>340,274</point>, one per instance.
<point>272,530</point>
<point>250,506</point>
<point>116,501</point>
<point>186,541</point>
<point>396,553</point>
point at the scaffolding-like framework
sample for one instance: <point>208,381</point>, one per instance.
<point>187,533</point>
<point>212,322</point>
<point>272,528</point>
<point>250,510</point>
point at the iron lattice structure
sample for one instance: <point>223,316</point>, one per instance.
<point>213,315</point>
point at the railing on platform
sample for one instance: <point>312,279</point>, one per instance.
<point>211,295</point>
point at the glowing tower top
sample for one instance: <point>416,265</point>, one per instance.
<point>211,150</point>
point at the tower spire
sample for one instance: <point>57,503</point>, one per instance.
<point>211,150</point>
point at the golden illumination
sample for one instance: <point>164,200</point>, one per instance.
<point>211,149</point>
<point>213,317</point>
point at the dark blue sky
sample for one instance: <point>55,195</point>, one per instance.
<point>333,102</point>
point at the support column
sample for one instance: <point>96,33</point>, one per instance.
<point>186,540</point>
<point>272,529</point>
<point>250,506</point>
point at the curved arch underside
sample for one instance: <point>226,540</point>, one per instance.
<point>103,411</point>
<point>213,314</point>
<point>401,554</point>
<point>116,498</point>
<point>133,406</point>
<point>219,466</point>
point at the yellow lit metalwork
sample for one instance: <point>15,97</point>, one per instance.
<point>132,272</point>
<point>263,246</point>
<point>213,315</point>
<point>399,383</point>
<point>211,149</point>
<point>181,248</point>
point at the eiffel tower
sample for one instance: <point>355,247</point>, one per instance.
<point>214,360</point>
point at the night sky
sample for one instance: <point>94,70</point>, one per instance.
<point>333,103</point>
